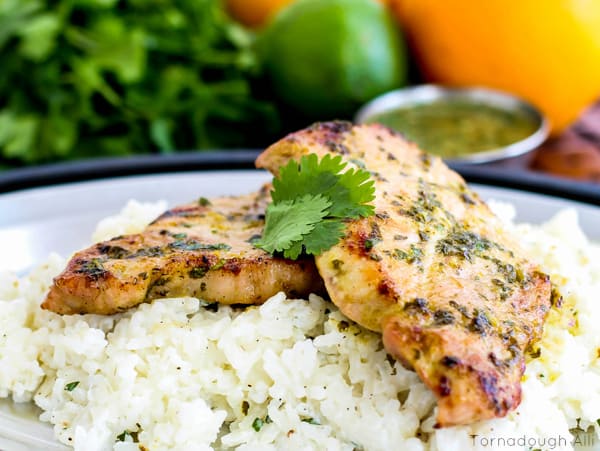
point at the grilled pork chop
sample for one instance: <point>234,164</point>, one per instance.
<point>202,249</point>
<point>433,270</point>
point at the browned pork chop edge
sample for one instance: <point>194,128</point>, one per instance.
<point>203,249</point>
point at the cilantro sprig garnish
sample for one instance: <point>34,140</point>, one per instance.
<point>311,200</point>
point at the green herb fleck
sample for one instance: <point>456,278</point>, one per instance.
<point>161,281</point>
<point>93,268</point>
<point>359,163</point>
<point>461,308</point>
<point>123,436</point>
<point>370,243</point>
<point>423,208</point>
<point>556,298</point>
<point>443,317</point>
<point>480,323</point>
<point>203,202</point>
<point>218,265</point>
<point>510,273</point>
<point>153,251</point>
<point>198,273</point>
<point>426,159</point>
<point>465,244</point>
<point>337,264</point>
<point>413,255</point>
<point>257,424</point>
<point>467,199</point>
<point>311,420</point>
<point>254,239</point>
<point>193,245</point>
<point>71,386</point>
<point>114,252</point>
<point>418,305</point>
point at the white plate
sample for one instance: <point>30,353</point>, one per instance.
<point>61,219</point>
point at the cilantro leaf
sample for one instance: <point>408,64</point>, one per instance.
<point>349,191</point>
<point>353,191</point>
<point>311,200</point>
<point>289,220</point>
<point>294,251</point>
<point>71,386</point>
<point>325,234</point>
<point>307,177</point>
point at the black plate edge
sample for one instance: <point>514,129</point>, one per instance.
<point>530,181</point>
<point>102,168</point>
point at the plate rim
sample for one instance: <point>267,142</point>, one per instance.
<point>112,167</point>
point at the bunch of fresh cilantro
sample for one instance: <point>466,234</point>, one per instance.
<point>85,78</point>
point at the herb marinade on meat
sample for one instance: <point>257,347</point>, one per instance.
<point>433,270</point>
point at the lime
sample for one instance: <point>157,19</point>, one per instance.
<point>324,58</point>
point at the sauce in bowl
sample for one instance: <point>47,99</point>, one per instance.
<point>467,124</point>
<point>451,128</point>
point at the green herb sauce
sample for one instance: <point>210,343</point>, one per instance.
<point>450,128</point>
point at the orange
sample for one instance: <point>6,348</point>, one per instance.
<point>255,13</point>
<point>546,51</point>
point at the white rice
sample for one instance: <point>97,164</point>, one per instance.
<point>290,374</point>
